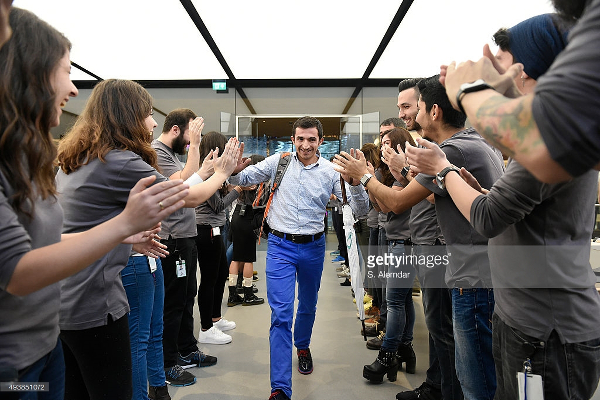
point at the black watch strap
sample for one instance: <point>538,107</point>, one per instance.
<point>465,88</point>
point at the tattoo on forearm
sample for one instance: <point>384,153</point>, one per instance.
<point>508,124</point>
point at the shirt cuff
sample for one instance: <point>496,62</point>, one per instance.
<point>194,179</point>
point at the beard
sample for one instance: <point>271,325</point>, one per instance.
<point>179,145</point>
<point>571,9</point>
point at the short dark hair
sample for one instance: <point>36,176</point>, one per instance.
<point>433,92</point>
<point>396,122</point>
<point>502,39</point>
<point>180,117</point>
<point>306,123</point>
<point>408,84</point>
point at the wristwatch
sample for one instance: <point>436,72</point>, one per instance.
<point>405,171</point>
<point>365,179</point>
<point>440,176</point>
<point>465,88</point>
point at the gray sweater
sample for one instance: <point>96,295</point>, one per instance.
<point>28,324</point>
<point>539,253</point>
<point>93,194</point>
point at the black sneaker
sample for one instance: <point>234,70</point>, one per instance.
<point>176,376</point>
<point>158,393</point>
<point>423,392</point>
<point>196,359</point>
<point>278,395</point>
<point>305,363</point>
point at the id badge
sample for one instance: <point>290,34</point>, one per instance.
<point>216,231</point>
<point>152,263</point>
<point>530,387</point>
<point>180,265</point>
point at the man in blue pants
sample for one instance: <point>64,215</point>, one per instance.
<point>297,245</point>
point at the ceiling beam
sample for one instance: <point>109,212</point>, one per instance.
<point>193,13</point>
<point>387,37</point>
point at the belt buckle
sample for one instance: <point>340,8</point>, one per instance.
<point>295,238</point>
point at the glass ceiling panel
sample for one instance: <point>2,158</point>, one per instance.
<point>131,39</point>
<point>436,32</point>
<point>274,39</point>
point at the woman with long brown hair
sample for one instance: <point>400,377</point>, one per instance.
<point>34,85</point>
<point>396,347</point>
<point>101,157</point>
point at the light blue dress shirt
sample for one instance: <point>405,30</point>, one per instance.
<point>299,204</point>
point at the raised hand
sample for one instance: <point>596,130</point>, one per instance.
<point>452,76</point>
<point>351,167</point>
<point>195,131</point>
<point>428,160</point>
<point>229,159</point>
<point>208,165</point>
<point>147,206</point>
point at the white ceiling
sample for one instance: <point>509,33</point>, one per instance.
<point>275,39</point>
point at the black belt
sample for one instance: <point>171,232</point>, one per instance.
<point>297,238</point>
<point>406,242</point>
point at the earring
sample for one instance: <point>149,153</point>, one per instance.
<point>523,80</point>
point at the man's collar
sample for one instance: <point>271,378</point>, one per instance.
<point>316,163</point>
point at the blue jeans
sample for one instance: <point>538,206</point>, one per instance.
<point>50,368</point>
<point>569,371</point>
<point>400,307</point>
<point>146,295</point>
<point>287,263</point>
<point>382,245</point>
<point>472,310</point>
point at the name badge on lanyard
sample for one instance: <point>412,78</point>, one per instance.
<point>180,266</point>
<point>152,263</point>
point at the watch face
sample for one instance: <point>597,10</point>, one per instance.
<point>440,181</point>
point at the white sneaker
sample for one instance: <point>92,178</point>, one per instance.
<point>213,336</point>
<point>224,325</point>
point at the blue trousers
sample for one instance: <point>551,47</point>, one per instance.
<point>50,368</point>
<point>146,296</point>
<point>287,263</point>
<point>400,307</point>
<point>472,310</point>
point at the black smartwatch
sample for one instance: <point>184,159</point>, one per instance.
<point>405,171</point>
<point>465,88</point>
<point>440,176</point>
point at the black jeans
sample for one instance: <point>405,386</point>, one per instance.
<point>178,333</point>
<point>98,362</point>
<point>569,371</point>
<point>213,274</point>
<point>338,226</point>
<point>437,306</point>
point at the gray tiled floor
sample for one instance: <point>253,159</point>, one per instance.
<point>338,350</point>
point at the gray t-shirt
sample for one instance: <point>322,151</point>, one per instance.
<point>373,218</point>
<point>566,102</point>
<point>467,250</point>
<point>539,253</point>
<point>93,194</point>
<point>182,223</point>
<point>213,211</point>
<point>28,324</point>
<point>396,225</point>
<point>424,228</point>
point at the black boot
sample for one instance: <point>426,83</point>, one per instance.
<point>250,299</point>
<point>158,393</point>
<point>234,299</point>
<point>385,363</point>
<point>406,354</point>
